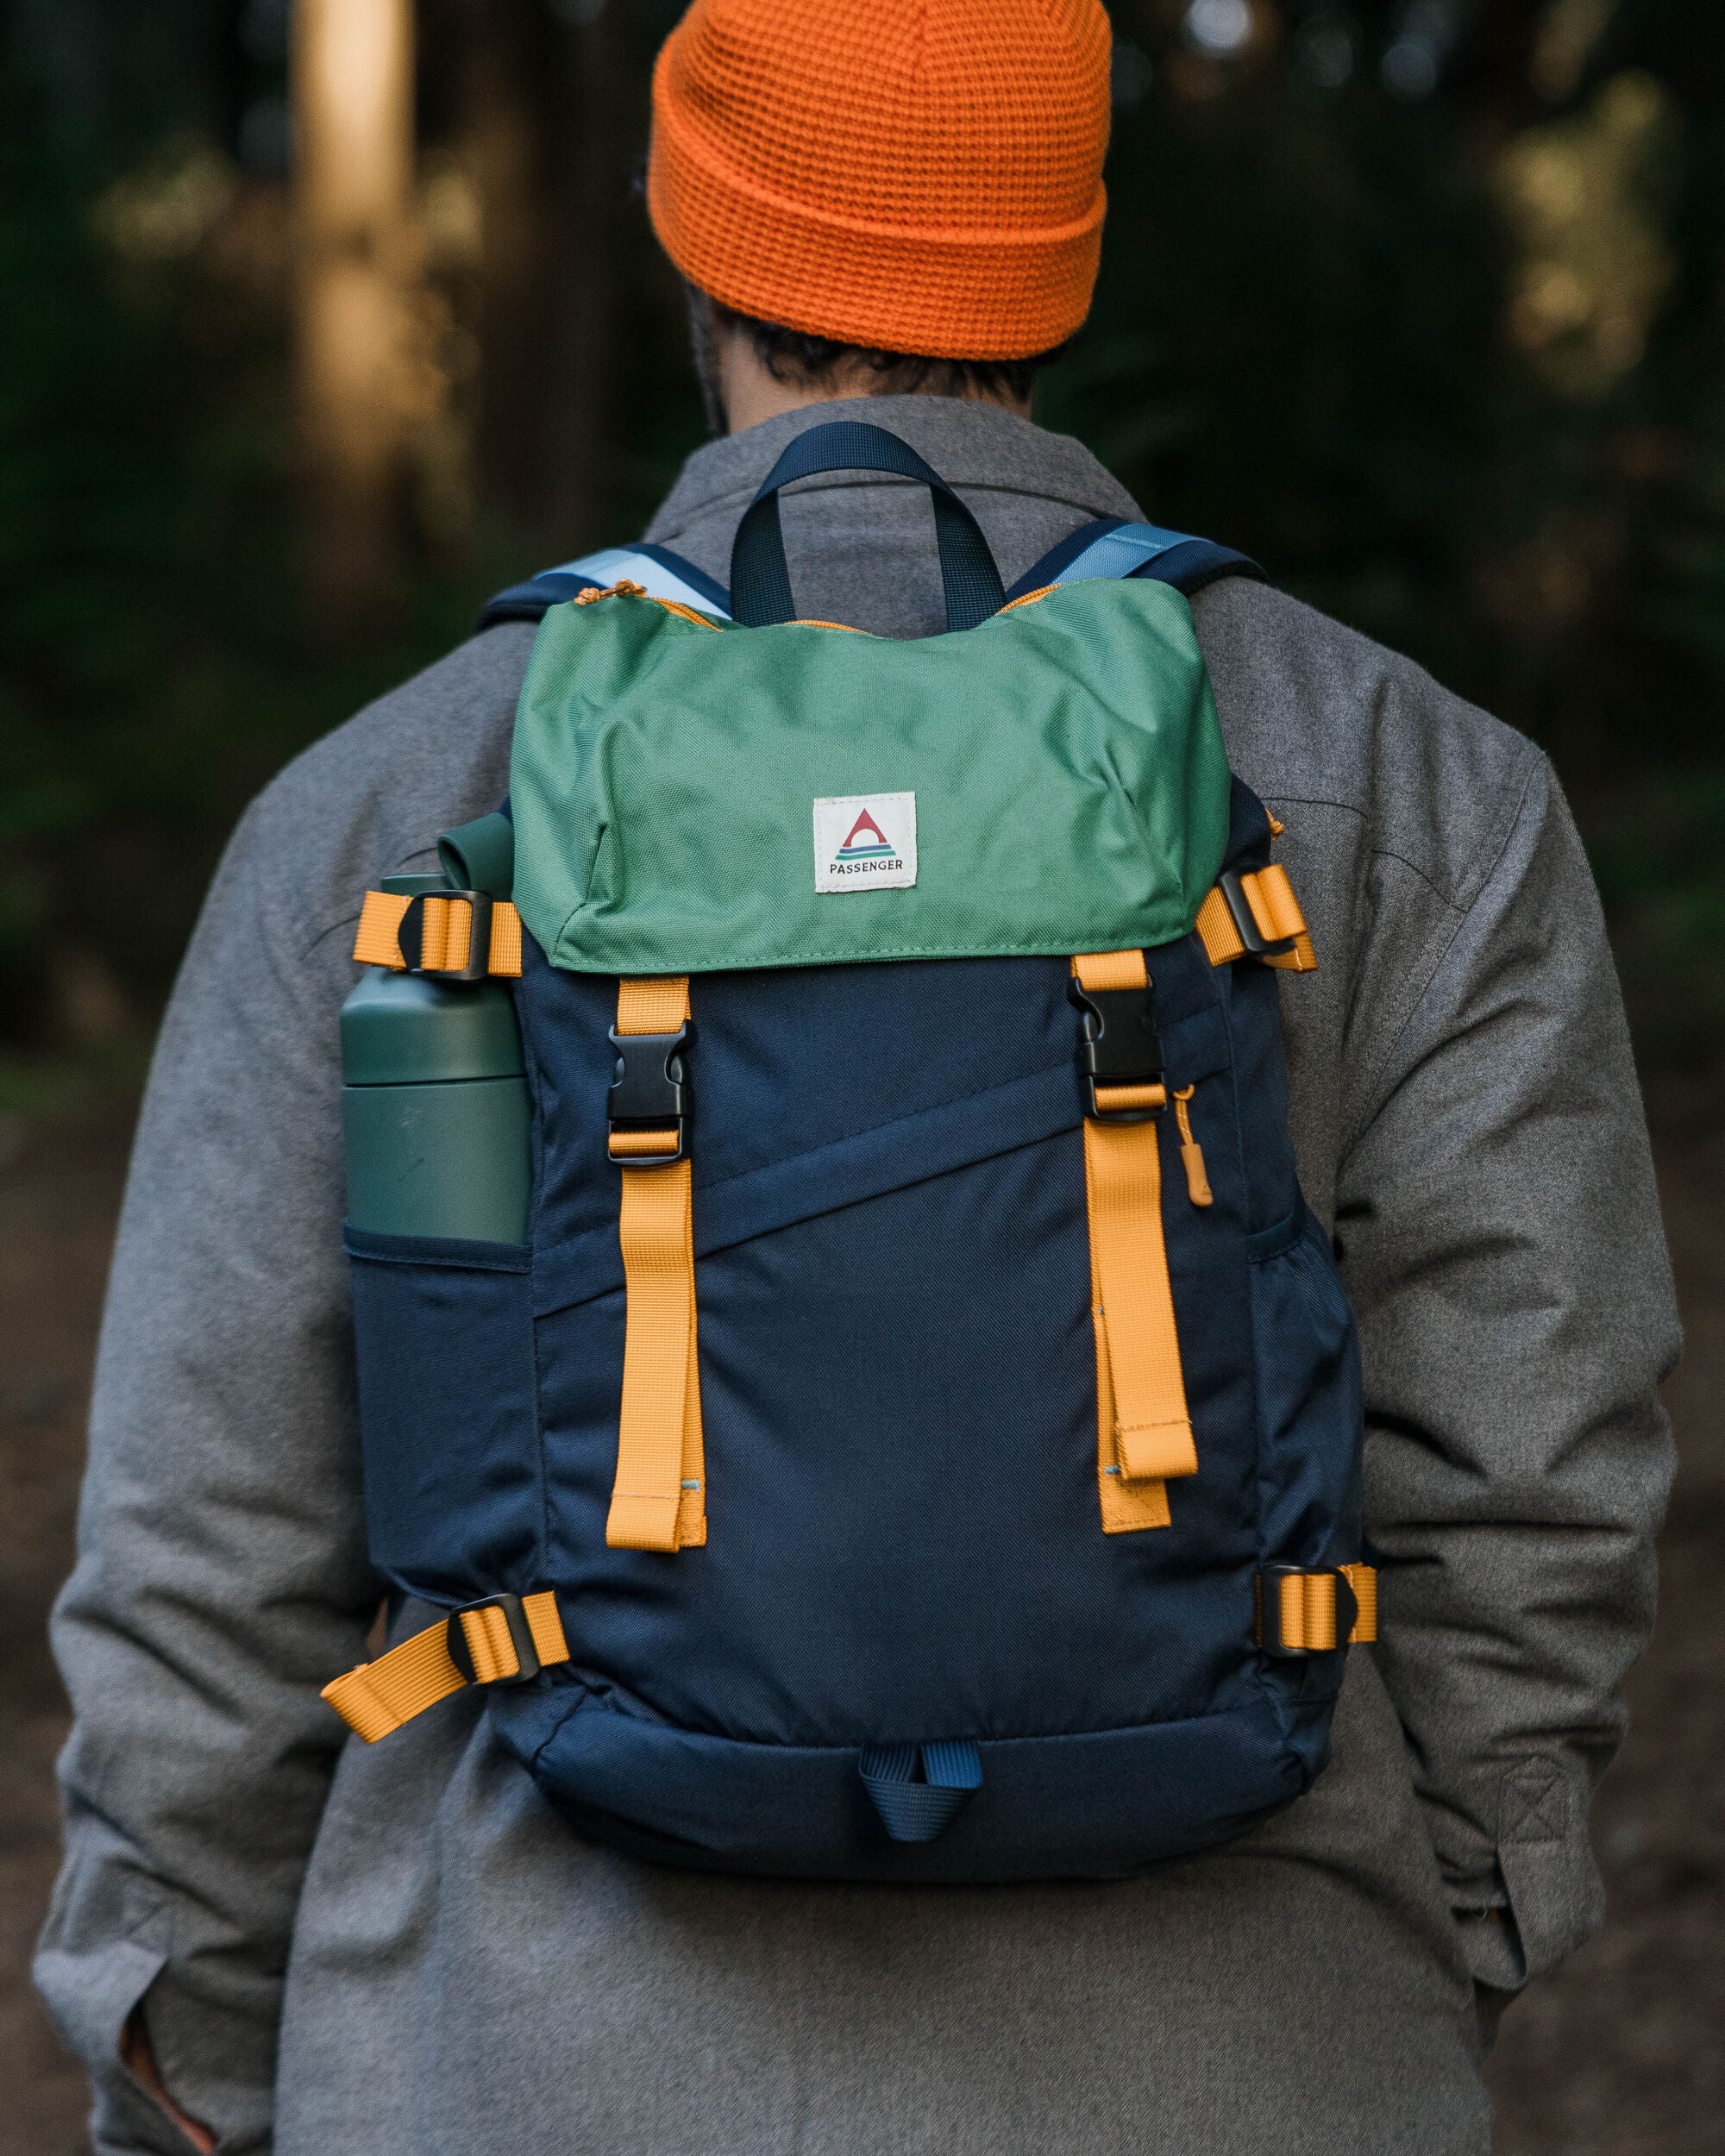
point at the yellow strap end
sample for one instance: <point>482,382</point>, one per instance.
<point>1157,1451</point>
<point>1363,1579</point>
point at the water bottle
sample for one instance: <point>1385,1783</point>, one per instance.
<point>435,1106</point>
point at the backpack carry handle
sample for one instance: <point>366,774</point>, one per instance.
<point>760,578</point>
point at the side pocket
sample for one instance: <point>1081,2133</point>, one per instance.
<point>1308,1397</point>
<point>443,1332</point>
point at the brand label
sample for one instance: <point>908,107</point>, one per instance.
<point>865,842</point>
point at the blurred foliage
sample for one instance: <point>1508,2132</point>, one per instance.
<point>1312,339</point>
<point>1421,302</point>
<point>155,672</point>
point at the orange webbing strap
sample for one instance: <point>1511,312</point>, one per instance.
<point>1307,1606</point>
<point>448,926</point>
<point>380,1696</point>
<point>1363,1579</point>
<point>1143,1430</point>
<point>659,1500</point>
<point>1275,912</point>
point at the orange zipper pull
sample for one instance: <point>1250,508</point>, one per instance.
<point>622,589</point>
<point>1191,1153</point>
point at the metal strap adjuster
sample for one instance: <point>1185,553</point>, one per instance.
<point>520,1633</point>
<point>409,936</point>
<point>1253,941</point>
<point>1272,1635</point>
<point>1121,1047</point>
<point>650,1093</point>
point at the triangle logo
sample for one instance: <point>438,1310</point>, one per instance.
<point>866,836</point>
<point>865,842</point>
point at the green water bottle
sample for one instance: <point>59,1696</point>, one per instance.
<point>434,1106</point>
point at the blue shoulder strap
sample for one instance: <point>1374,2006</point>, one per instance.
<point>655,569</point>
<point>1107,548</point>
<point>1110,548</point>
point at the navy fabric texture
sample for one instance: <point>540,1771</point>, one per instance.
<point>907,1650</point>
<point>444,1334</point>
<point>899,1405</point>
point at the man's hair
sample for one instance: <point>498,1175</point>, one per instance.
<point>811,363</point>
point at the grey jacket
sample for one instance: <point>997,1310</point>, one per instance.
<point>398,1951</point>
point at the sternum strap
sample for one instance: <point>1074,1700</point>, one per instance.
<point>1143,1426</point>
<point>659,1500</point>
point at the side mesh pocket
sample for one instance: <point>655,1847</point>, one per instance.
<point>443,1332</point>
<point>1308,1394</point>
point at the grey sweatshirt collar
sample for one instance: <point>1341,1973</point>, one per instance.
<point>978,447</point>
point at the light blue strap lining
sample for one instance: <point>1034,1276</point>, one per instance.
<point>1121,552</point>
<point>613,564</point>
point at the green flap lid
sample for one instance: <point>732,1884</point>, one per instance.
<point>690,797</point>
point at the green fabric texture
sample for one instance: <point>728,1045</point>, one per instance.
<point>1071,785</point>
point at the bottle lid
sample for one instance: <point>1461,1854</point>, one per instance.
<point>398,1028</point>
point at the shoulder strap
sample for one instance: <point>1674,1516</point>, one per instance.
<point>1105,548</point>
<point>659,573</point>
<point>1110,548</point>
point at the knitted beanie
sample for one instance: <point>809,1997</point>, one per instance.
<point>908,175</point>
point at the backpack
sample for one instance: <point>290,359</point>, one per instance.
<point>908,1425</point>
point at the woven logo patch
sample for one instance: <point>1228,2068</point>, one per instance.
<point>865,842</point>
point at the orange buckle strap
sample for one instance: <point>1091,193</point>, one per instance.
<point>1143,1428</point>
<point>1253,913</point>
<point>1301,1613</point>
<point>504,1639</point>
<point>659,1500</point>
<point>449,935</point>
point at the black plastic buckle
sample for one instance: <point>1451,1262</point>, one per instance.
<point>1120,1045</point>
<point>1270,1636</point>
<point>410,937</point>
<point>649,1091</point>
<point>520,1633</point>
<point>1252,939</point>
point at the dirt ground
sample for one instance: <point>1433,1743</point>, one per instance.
<point>1621,2053</point>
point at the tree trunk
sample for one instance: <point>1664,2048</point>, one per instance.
<point>353,95</point>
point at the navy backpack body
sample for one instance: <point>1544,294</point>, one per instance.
<point>914,1432</point>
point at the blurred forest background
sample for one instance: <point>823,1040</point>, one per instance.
<point>1421,302</point>
<point>319,319</point>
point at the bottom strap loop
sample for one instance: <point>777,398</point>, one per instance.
<point>919,1789</point>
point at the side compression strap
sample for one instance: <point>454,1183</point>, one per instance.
<point>380,1696</point>
<point>1255,914</point>
<point>659,1500</point>
<point>1297,1612</point>
<point>1143,1428</point>
<point>445,934</point>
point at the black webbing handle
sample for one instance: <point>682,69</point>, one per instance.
<point>760,577</point>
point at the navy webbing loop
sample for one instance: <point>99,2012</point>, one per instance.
<point>920,1811</point>
<point>760,578</point>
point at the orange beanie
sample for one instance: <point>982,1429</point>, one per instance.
<point>911,175</point>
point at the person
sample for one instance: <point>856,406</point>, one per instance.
<point>265,1936</point>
